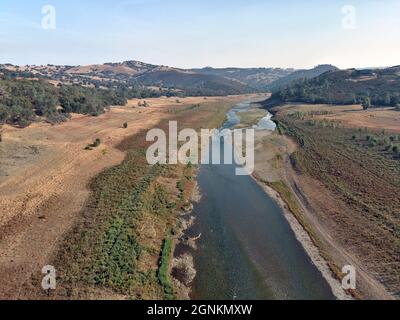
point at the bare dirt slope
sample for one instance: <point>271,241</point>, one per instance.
<point>318,207</point>
<point>334,223</point>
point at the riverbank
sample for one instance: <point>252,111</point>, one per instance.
<point>309,245</point>
<point>271,152</point>
<point>319,211</point>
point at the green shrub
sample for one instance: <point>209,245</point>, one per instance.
<point>366,104</point>
<point>97,142</point>
<point>373,141</point>
<point>389,147</point>
<point>385,141</point>
<point>163,271</point>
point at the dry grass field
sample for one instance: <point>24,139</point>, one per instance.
<point>353,116</point>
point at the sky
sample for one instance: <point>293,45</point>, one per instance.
<point>199,33</point>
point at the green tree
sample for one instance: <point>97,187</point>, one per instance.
<point>97,142</point>
<point>4,113</point>
<point>388,99</point>
<point>366,104</point>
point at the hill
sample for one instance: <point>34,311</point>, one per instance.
<point>193,83</point>
<point>300,74</point>
<point>188,81</point>
<point>257,78</point>
<point>129,68</point>
<point>136,73</point>
<point>22,99</point>
<point>379,87</point>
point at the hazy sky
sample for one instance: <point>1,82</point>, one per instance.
<point>196,33</point>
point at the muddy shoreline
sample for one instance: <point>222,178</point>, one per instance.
<point>305,239</point>
<point>182,267</point>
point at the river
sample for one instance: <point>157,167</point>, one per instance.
<point>247,249</point>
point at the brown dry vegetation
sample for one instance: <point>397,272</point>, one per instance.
<point>352,116</point>
<point>43,185</point>
<point>348,186</point>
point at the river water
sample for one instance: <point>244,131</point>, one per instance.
<point>247,249</point>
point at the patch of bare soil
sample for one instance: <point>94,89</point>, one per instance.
<point>351,116</point>
<point>377,119</point>
<point>174,101</point>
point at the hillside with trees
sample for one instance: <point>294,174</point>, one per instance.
<point>173,81</point>
<point>193,84</point>
<point>300,75</point>
<point>22,100</point>
<point>377,87</point>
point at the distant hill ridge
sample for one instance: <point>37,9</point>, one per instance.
<point>204,81</point>
<point>377,87</point>
<point>247,79</point>
<point>301,74</point>
<point>258,78</point>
